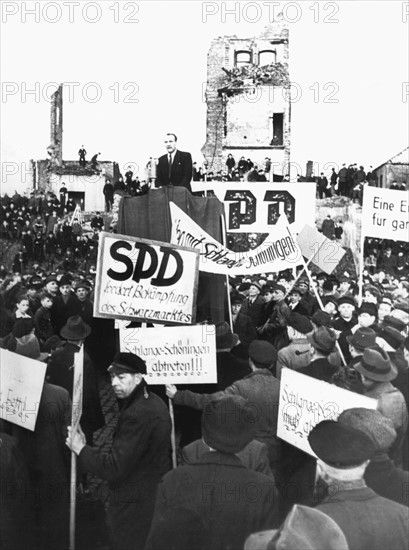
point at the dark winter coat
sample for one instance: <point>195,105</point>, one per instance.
<point>134,465</point>
<point>217,489</point>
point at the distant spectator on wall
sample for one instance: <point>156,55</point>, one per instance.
<point>81,153</point>
<point>230,163</point>
<point>94,161</point>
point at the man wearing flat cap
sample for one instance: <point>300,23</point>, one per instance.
<point>233,500</point>
<point>381,474</point>
<point>274,329</point>
<point>138,458</point>
<point>367,520</point>
<point>260,388</point>
<point>253,304</point>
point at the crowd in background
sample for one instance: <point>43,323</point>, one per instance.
<point>277,321</point>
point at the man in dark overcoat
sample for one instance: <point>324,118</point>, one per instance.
<point>366,519</point>
<point>232,500</point>
<point>138,458</point>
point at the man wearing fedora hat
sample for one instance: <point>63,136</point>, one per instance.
<point>138,458</point>
<point>367,520</point>
<point>260,388</point>
<point>377,373</point>
<point>322,343</point>
<point>217,486</point>
<point>229,369</point>
<point>303,529</point>
<point>61,373</point>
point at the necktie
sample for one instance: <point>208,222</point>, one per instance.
<point>170,165</point>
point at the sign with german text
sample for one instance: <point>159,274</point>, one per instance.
<point>255,207</point>
<point>385,214</point>
<point>145,280</point>
<point>174,356</point>
<point>279,251</point>
<point>305,401</point>
<point>21,385</point>
<point>325,253</point>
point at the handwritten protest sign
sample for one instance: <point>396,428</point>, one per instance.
<point>325,254</point>
<point>78,384</point>
<point>385,214</point>
<point>305,401</point>
<point>256,207</point>
<point>172,355</point>
<point>279,250</point>
<point>21,385</point>
<point>145,280</point>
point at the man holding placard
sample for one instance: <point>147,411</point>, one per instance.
<point>139,456</point>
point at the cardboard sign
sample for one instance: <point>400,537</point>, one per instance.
<point>279,251</point>
<point>325,254</point>
<point>255,207</point>
<point>385,214</point>
<point>305,402</point>
<point>21,385</point>
<point>172,355</point>
<point>145,280</point>
<point>78,384</point>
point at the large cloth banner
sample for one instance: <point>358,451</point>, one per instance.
<point>172,355</point>
<point>325,253</point>
<point>145,280</point>
<point>255,207</point>
<point>305,401</point>
<point>21,385</point>
<point>385,214</point>
<point>278,252</point>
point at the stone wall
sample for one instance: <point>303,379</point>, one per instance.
<point>238,115</point>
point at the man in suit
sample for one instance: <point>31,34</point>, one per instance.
<point>174,168</point>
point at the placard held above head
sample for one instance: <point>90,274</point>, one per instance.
<point>138,279</point>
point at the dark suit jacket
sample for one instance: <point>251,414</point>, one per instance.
<point>217,488</point>
<point>181,172</point>
<point>367,520</point>
<point>61,373</point>
<point>254,455</point>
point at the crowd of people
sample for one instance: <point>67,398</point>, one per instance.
<point>228,431</point>
<point>234,483</point>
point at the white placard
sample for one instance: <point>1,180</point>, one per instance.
<point>139,279</point>
<point>174,355</point>
<point>279,251</point>
<point>305,401</point>
<point>21,385</point>
<point>385,214</point>
<point>263,202</point>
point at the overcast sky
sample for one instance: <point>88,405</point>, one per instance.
<point>137,80</point>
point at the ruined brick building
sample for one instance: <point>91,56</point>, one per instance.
<point>84,184</point>
<point>248,100</point>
